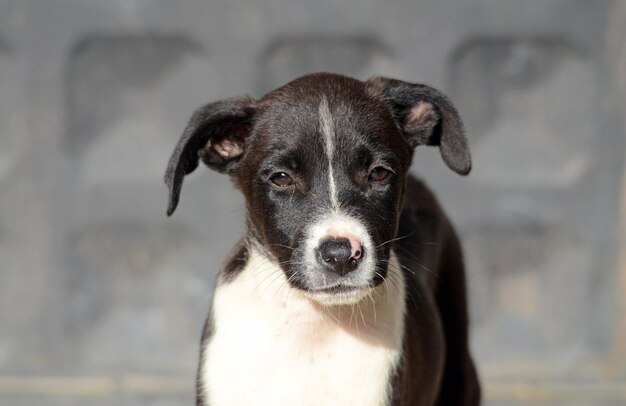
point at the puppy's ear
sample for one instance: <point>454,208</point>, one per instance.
<point>217,134</point>
<point>425,116</point>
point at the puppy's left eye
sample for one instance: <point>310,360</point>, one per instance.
<point>378,174</point>
<point>281,179</point>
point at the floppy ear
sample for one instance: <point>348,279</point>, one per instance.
<point>217,134</point>
<point>425,116</point>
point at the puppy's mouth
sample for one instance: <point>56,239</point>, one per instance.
<point>339,294</point>
<point>340,288</point>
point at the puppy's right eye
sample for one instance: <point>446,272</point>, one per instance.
<point>379,174</point>
<point>281,179</point>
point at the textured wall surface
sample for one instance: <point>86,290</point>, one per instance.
<point>102,298</point>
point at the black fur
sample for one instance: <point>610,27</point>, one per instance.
<point>447,131</point>
<point>208,126</point>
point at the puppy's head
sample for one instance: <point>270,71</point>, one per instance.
<point>321,162</point>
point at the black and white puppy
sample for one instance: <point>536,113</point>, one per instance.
<point>348,287</point>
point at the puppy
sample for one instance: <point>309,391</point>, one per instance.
<point>348,287</point>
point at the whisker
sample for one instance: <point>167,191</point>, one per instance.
<point>351,315</point>
<point>330,313</point>
<point>287,284</point>
<point>396,239</point>
<point>369,295</point>
<point>270,279</point>
<point>362,318</point>
<point>284,246</point>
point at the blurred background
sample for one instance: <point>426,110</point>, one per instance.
<point>102,298</point>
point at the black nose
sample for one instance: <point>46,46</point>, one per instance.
<point>335,255</point>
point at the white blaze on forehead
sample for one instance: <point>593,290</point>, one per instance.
<point>328,131</point>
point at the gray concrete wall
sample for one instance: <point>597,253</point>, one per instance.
<point>102,298</point>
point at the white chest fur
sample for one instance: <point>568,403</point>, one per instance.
<point>273,346</point>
